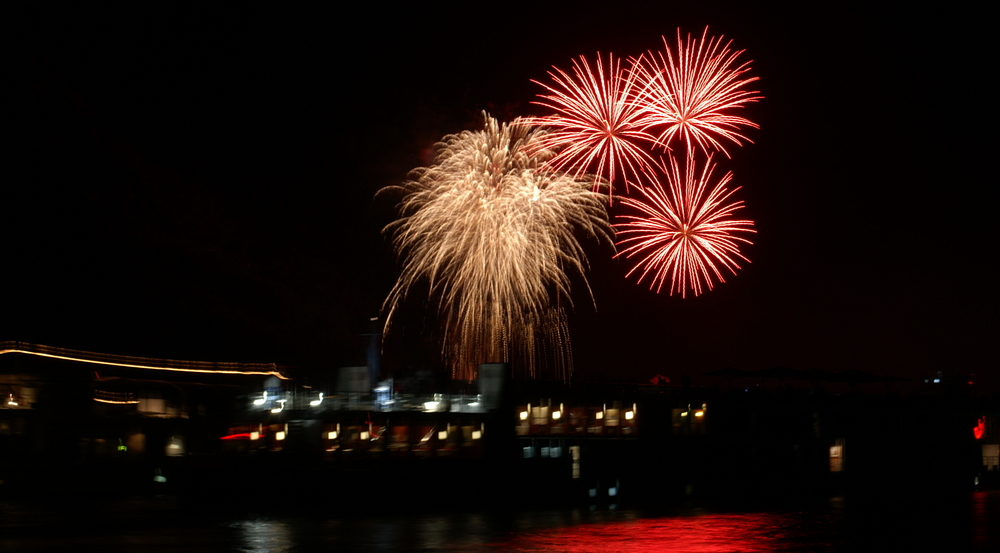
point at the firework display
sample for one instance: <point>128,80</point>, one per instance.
<point>597,126</point>
<point>690,93</point>
<point>491,233</point>
<point>490,229</point>
<point>684,230</point>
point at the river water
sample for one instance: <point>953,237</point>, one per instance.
<point>966,522</point>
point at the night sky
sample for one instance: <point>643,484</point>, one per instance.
<point>201,184</point>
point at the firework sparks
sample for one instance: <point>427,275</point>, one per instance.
<point>596,127</point>
<point>690,92</point>
<point>491,233</point>
<point>683,232</point>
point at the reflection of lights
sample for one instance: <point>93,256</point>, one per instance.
<point>260,401</point>
<point>267,369</point>
<point>316,402</point>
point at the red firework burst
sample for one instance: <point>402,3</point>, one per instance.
<point>596,127</point>
<point>683,232</point>
<point>689,92</point>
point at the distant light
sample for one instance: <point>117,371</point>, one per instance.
<point>255,435</point>
<point>279,435</point>
<point>100,400</point>
<point>556,415</point>
<point>684,414</point>
<point>331,435</point>
<point>443,435</point>
<point>613,491</point>
<point>208,367</point>
<point>260,401</point>
<point>600,415</point>
<point>431,405</point>
<point>159,478</point>
<point>937,380</point>
<point>365,435</point>
<point>523,415</point>
<point>629,415</point>
<point>476,434</point>
<point>980,429</point>
<point>699,413</point>
<point>316,402</point>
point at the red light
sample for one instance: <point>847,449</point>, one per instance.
<point>980,429</point>
<point>684,231</point>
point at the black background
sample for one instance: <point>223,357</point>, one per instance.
<point>200,183</point>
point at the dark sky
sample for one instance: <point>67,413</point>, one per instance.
<point>200,184</point>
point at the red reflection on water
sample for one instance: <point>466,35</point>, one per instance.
<point>710,533</point>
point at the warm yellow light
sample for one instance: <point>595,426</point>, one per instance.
<point>279,435</point>
<point>443,435</point>
<point>331,436</point>
<point>629,415</point>
<point>255,435</point>
<point>556,415</point>
<point>523,415</point>
<point>133,402</point>
<point>365,435</point>
<point>699,413</point>
<point>600,415</point>
<point>140,362</point>
<point>684,414</point>
<point>476,434</point>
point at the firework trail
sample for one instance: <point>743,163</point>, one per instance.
<point>687,94</point>
<point>596,128</point>
<point>683,232</point>
<point>492,235</point>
